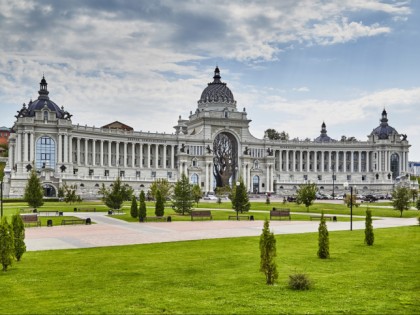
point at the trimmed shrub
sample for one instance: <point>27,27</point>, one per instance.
<point>142,206</point>
<point>299,281</point>
<point>369,236</point>
<point>160,206</point>
<point>134,209</point>
<point>323,239</point>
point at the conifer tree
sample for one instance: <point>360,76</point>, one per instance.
<point>268,254</point>
<point>239,198</point>
<point>6,244</point>
<point>183,198</point>
<point>34,193</point>
<point>369,236</point>
<point>134,209</point>
<point>160,206</point>
<point>142,207</point>
<point>323,239</point>
<point>19,236</point>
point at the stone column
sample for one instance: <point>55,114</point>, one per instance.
<point>157,155</point>
<point>11,153</point>
<point>352,161</point>
<point>294,161</point>
<point>93,152</point>
<point>249,177</point>
<point>71,149</point>
<point>125,154</point>
<point>329,162</point>
<point>148,156</point>
<point>164,155</point>
<point>141,156</point>
<point>280,160</point>
<point>206,179</point>
<point>31,147</point>
<point>109,153</point>
<point>101,153</point>
<point>360,161</point>
<point>78,151</point>
<point>19,147</point>
<point>322,161</point>
<point>133,154</point>
<point>66,148</point>
<point>86,151</point>
<point>367,162</point>
<point>286,168</point>
<point>60,148</point>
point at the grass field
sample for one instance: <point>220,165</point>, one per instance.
<point>220,277</point>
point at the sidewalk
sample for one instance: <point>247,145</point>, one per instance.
<point>109,231</point>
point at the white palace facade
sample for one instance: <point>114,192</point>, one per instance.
<point>44,137</point>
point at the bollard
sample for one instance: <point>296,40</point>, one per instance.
<point>251,218</point>
<point>49,223</point>
<point>169,219</point>
<point>88,221</point>
<point>60,214</point>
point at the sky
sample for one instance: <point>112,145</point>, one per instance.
<point>292,64</point>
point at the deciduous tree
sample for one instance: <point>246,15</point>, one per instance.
<point>197,194</point>
<point>268,253</point>
<point>306,194</point>
<point>34,193</point>
<point>114,196</point>
<point>401,199</point>
<point>164,186</point>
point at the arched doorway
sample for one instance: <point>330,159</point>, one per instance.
<point>395,165</point>
<point>225,159</point>
<point>194,179</point>
<point>49,190</point>
<point>256,184</point>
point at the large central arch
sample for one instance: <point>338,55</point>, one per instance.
<point>225,160</point>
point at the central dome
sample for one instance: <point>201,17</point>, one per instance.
<point>216,92</point>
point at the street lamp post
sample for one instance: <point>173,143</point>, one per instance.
<point>238,184</point>
<point>333,178</point>
<point>346,185</point>
<point>1,198</point>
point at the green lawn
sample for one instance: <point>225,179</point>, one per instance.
<point>220,277</point>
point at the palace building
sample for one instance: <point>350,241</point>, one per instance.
<point>213,147</point>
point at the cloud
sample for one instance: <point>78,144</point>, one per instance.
<point>301,89</point>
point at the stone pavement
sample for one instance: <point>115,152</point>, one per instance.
<point>109,231</point>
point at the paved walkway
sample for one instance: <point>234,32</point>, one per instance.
<point>109,231</point>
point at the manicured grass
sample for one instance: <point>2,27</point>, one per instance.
<point>220,277</point>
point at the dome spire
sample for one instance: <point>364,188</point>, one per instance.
<point>43,91</point>
<point>217,76</point>
<point>384,120</point>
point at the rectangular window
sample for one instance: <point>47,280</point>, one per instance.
<point>348,177</point>
<point>137,173</point>
<point>363,177</point>
<point>106,173</point>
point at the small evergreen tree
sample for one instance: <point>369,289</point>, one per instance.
<point>142,207</point>
<point>239,198</point>
<point>323,239</point>
<point>197,194</point>
<point>306,194</point>
<point>6,244</point>
<point>19,236</point>
<point>268,254</point>
<point>401,199</point>
<point>114,196</point>
<point>418,204</point>
<point>160,206</point>
<point>134,210</point>
<point>69,193</point>
<point>369,236</point>
<point>34,193</point>
<point>182,199</point>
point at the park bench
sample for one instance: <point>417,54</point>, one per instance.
<point>49,212</point>
<point>201,214</point>
<point>158,218</point>
<point>86,209</point>
<point>239,217</point>
<point>29,219</point>
<point>75,221</point>
<point>326,217</point>
<point>280,213</point>
<point>27,210</point>
<point>115,211</point>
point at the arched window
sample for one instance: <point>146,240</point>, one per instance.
<point>45,153</point>
<point>395,163</point>
<point>256,184</point>
<point>194,162</point>
<point>45,115</point>
<point>194,179</point>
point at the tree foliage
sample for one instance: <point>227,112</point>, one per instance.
<point>369,236</point>
<point>69,194</point>
<point>34,193</point>
<point>164,186</point>
<point>160,205</point>
<point>239,198</point>
<point>182,198</point>
<point>114,196</point>
<point>268,254</point>
<point>418,204</point>
<point>306,194</point>
<point>323,239</point>
<point>7,253</point>
<point>19,236</point>
<point>401,199</point>
<point>142,206</point>
<point>273,134</point>
<point>134,209</point>
<point>348,200</point>
<point>197,194</point>
<point>414,193</point>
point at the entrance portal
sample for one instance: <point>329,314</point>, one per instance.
<point>225,148</point>
<point>49,190</point>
